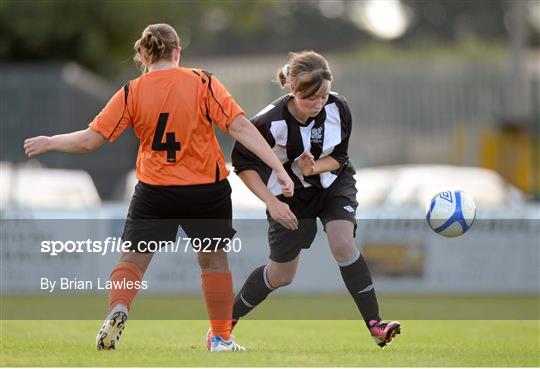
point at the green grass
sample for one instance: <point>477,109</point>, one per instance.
<point>274,343</point>
<point>315,341</point>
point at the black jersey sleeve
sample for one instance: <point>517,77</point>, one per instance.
<point>340,152</point>
<point>243,159</point>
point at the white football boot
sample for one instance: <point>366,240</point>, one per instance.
<point>111,330</point>
<point>219,344</point>
<point>209,334</point>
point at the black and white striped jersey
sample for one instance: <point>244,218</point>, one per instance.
<point>326,134</point>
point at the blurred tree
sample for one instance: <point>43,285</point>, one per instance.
<point>452,20</point>
<point>99,34</point>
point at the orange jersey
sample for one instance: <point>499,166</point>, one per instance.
<point>171,112</point>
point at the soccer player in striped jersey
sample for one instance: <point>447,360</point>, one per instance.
<point>309,131</point>
<point>181,171</point>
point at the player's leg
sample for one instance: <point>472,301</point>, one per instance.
<point>143,224</point>
<point>353,268</point>
<point>261,282</point>
<point>285,248</point>
<point>338,215</point>
<point>126,276</point>
<point>357,278</point>
<point>130,268</point>
<point>217,288</point>
<point>125,279</point>
<point>210,218</point>
<point>218,293</point>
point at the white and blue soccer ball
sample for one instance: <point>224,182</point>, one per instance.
<point>451,213</point>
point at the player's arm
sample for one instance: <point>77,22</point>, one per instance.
<point>229,117</point>
<point>326,164</point>
<point>110,122</point>
<point>310,167</point>
<point>278,210</point>
<point>244,132</point>
<point>75,142</point>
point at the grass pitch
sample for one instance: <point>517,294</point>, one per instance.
<point>434,343</point>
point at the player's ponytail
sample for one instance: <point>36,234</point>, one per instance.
<point>156,42</point>
<point>282,75</point>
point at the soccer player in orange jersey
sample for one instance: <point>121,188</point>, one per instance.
<point>181,171</point>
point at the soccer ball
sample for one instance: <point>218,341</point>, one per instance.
<point>451,213</point>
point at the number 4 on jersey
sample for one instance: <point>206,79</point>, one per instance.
<point>170,145</point>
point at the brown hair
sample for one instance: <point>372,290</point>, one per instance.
<point>305,72</point>
<point>156,42</point>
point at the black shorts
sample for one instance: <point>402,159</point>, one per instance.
<point>155,212</point>
<point>338,202</point>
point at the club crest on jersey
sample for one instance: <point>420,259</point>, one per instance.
<point>349,208</point>
<point>316,135</point>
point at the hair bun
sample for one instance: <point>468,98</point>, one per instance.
<point>156,42</point>
<point>160,44</point>
<point>156,45</point>
<point>146,40</point>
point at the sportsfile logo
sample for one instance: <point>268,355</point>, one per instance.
<point>117,245</point>
<point>349,208</point>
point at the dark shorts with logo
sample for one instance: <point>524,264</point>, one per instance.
<point>156,212</point>
<point>338,202</point>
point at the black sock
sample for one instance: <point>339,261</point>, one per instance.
<point>358,280</point>
<point>253,292</point>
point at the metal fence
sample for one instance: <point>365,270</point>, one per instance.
<point>410,112</point>
<point>403,112</point>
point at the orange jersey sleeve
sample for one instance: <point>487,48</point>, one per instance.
<point>114,118</point>
<point>222,109</point>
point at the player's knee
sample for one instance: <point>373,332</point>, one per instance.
<point>141,260</point>
<point>280,279</point>
<point>344,250</point>
<point>213,261</point>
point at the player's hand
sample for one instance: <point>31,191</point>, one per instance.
<point>280,212</point>
<point>36,145</point>
<point>286,183</point>
<point>305,162</point>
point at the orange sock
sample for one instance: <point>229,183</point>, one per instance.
<point>218,293</point>
<point>126,278</point>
